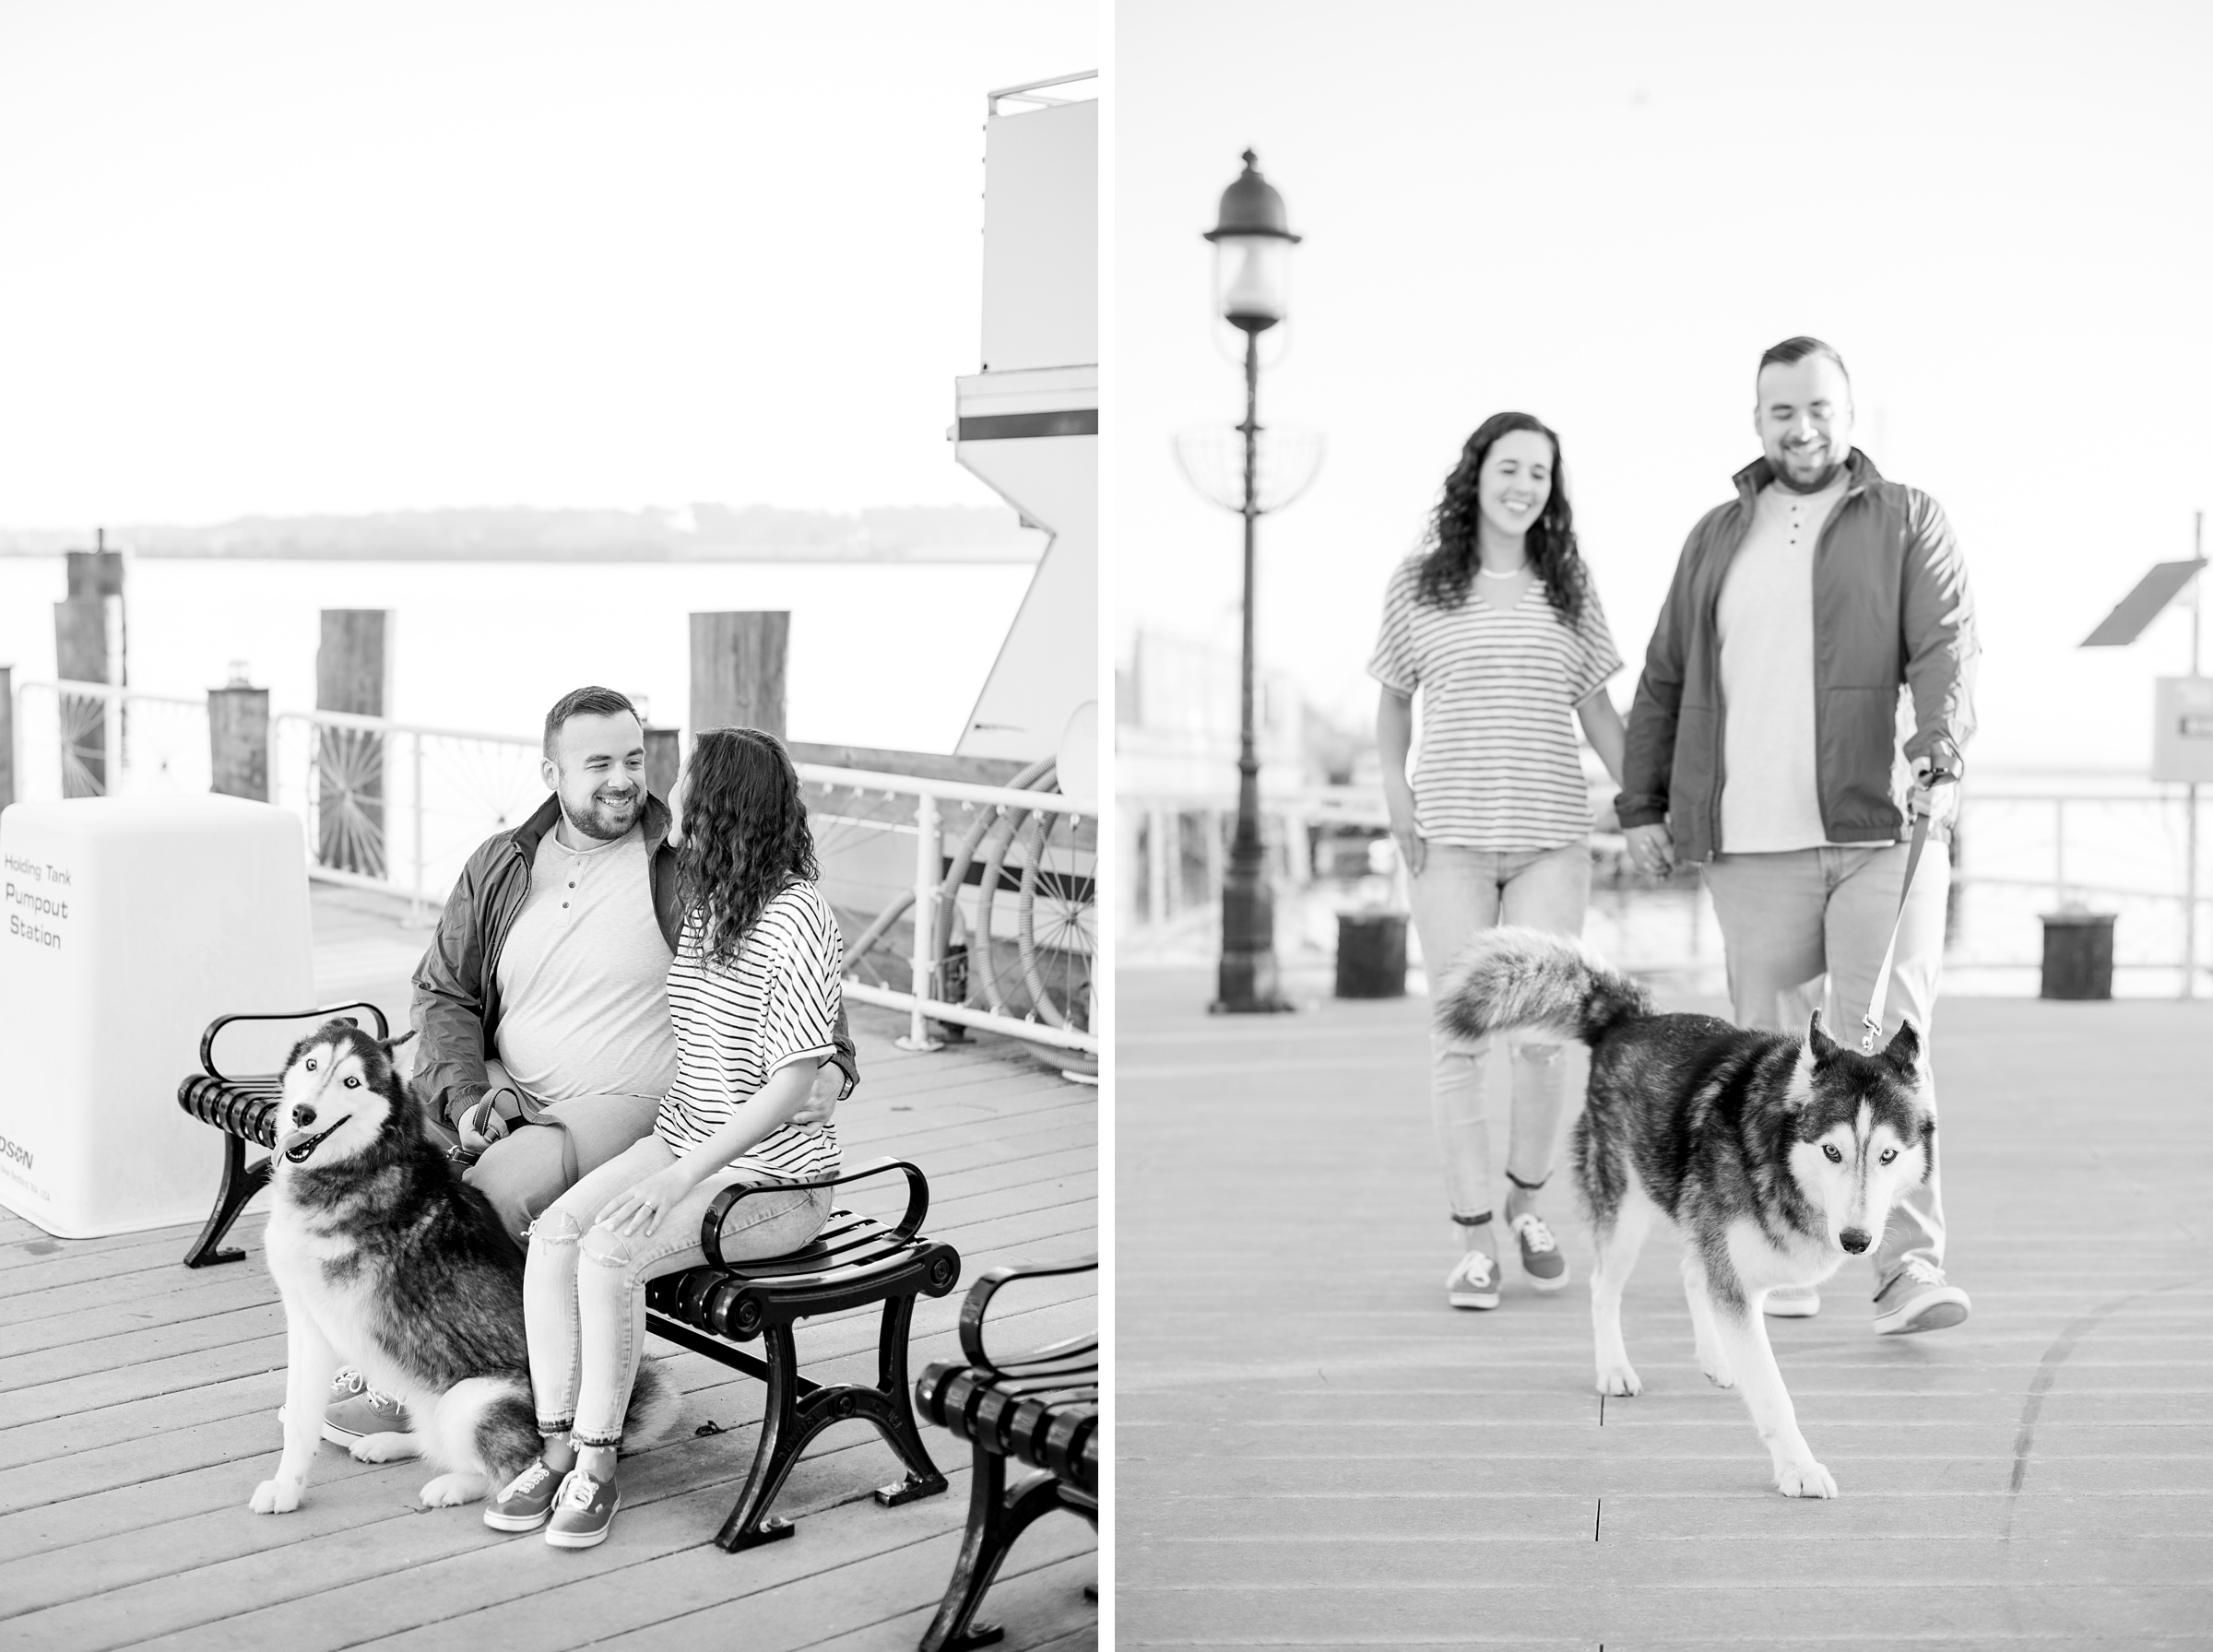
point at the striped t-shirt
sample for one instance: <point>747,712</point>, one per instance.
<point>736,1028</point>
<point>1500,767</point>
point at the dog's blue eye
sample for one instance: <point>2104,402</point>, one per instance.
<point>310,1063</point>
<point>352,1082</point>
<point>1890,1153</point>
<point>1834,1156</point>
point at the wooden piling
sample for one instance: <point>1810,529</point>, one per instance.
<point>664,756</point>
<point>738,664</point>
<point>80,655</point>
<point>90,644</point>
<point>238,742</point>
<point>96,572</point>
<point>353,673</point>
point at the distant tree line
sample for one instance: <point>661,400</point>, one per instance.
<point>696,533</point>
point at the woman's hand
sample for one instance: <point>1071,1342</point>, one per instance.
<point>1651,849</point>
<point>1413,848</point>
<point>639,1209</point>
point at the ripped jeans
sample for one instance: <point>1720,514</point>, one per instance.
<point>1459,892</point>
<point>583,1289</point>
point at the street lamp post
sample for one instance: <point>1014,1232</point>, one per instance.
<point>1252,247</point>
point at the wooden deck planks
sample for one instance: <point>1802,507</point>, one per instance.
<point>1313,1450</point>
<point>137,1400</point>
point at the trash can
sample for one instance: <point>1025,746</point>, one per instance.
<point>1371,954</point>
<point>131,923</point>
<point>2079,955</point>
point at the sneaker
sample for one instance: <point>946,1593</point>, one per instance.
<point>1474,1281</point>
<point>584,1510</point>
<point>355,1410</point>
<point>1918,1300</point>
<point>1541,1258</point>
<point>523,1504</point>
<point>1793,1302</point>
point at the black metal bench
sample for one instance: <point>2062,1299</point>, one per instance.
<point>244,1109</point>
<point>1042,1410</point>
<point>854,1262</point>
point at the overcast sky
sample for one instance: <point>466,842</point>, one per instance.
<point>282,258</point>
<point>1602,213</point>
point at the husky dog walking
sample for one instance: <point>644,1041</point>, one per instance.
<point>1774,1157</point>
<point>389,1264</point>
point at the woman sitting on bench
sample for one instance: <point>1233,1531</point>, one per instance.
<point>754,995</point>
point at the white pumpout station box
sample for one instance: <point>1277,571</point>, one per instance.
<point>131,922</point>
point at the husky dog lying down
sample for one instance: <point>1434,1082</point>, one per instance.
<point>1774,1157</point>
<point>390,1264</point>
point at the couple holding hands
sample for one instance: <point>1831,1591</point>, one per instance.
<point>1767,740</point>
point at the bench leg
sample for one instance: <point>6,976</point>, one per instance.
<point>783,1436</point>
<point>796,1413</point>
<point>241,1183</point>
<point>895,1419</point>
<point>996,1518</point>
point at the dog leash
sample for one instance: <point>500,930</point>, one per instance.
<point>532,1114</point>
<point>1871,1027</point>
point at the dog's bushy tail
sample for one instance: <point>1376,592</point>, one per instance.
<point>1526,980</point>
<point>654,1402</point>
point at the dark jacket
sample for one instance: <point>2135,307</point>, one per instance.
<point>456,984</point>
<point>1891,607</point>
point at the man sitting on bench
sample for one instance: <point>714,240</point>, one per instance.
<point>542,1003</point>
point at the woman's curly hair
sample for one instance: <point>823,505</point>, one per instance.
<point>746,836</point>
<point>1450,562</point>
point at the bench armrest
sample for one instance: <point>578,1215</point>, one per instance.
<point>384,1029</point>
<point>909,1224</point>
<point>988,1282</point>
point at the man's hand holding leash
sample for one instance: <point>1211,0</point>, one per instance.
<point>1935,792</point>
<point>491,1119</point>
<point>501,1110</point>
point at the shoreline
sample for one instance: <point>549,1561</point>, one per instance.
<point>787,558</point>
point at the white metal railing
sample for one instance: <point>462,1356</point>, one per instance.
<point>1009,945</point>
<point>2133,847</point>
<point>1010,918</point>
<point>1029,956</point>
<point>93,739</point>
<point>2025,844</point>
<point>398,806</point>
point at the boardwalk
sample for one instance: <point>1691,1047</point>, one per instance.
<point>137,1405</point>
<point>1314,1450</point>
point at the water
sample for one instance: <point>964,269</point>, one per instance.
<point>880,655</point>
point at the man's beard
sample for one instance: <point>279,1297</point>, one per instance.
<point>592,825</point>
<point>1815,484</point>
